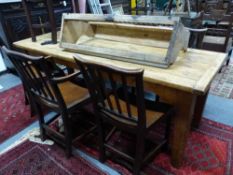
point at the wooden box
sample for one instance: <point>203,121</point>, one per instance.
<point>147,40</point>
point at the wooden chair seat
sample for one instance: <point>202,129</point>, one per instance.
<point>73,94</point>
<point>151,116</point>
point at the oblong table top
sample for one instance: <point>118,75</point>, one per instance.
<point>193,70</point>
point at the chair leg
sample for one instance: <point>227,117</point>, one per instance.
<point>220,70</point>
<point>41,121</point>
<point>28,101</point>
<point>167,132</point>
<point>68,136</point>
<point>228,61</point>
<point>68,145</point>
<point>101,134</point>
<point>26,98</point>
<point>157,98</point>
<point>229,57</point>
<point>32,105</point>
<point>139,154</point>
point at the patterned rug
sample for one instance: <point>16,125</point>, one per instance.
<point>14,114</point>
<point>222,85</point>
<point>209,152</point>
<point>36,159</point>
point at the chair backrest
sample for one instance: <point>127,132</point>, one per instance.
<point>210,5</point>
<point>222,29</point>
<point>197,21</point>
<point>197,34</point>
<point>51,23</point>
<point>74,6</point>
<point>104,81</point>
<point>229,7</point>
<point>215,15</point>
<point>37,78</point>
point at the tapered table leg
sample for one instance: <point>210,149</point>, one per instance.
<point>199,107</point>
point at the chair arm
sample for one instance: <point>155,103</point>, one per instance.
<point>63,78</point>
<point>66,78</point>
<point>47,57</point>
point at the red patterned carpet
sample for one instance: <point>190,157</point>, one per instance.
<point>209,152</point>
<point>14,114</point>
<point>36,159</point>
<point>223,83</point>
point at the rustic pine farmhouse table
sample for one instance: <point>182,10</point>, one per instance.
<point>184,84</point>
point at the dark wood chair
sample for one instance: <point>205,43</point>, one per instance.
<point>211,5</point>
<point>196,5</point>
<point>218,37</point>
<point>58,94</point>
<point>75,6</point>
<point>49,24</point>
<point>229,7</point>
<point>122,111</point>
<point>197,31</point>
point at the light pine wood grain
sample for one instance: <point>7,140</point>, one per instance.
<point>125,38</point>
<point>193,70</point>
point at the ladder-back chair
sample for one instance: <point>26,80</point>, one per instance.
<point>118,109</point>
<point>50,24</point>
<point>218,38</point>
<point>197,31</point>
<point>58,94</point>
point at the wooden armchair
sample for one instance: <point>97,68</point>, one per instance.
<point>58,94</point>
<point>123,112</point>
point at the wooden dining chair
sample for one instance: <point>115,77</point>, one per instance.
<point>197,31</point>
<point>218,37</point>
<point>120,110</point>
<point>58,94</point>
<point>49,24</point>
